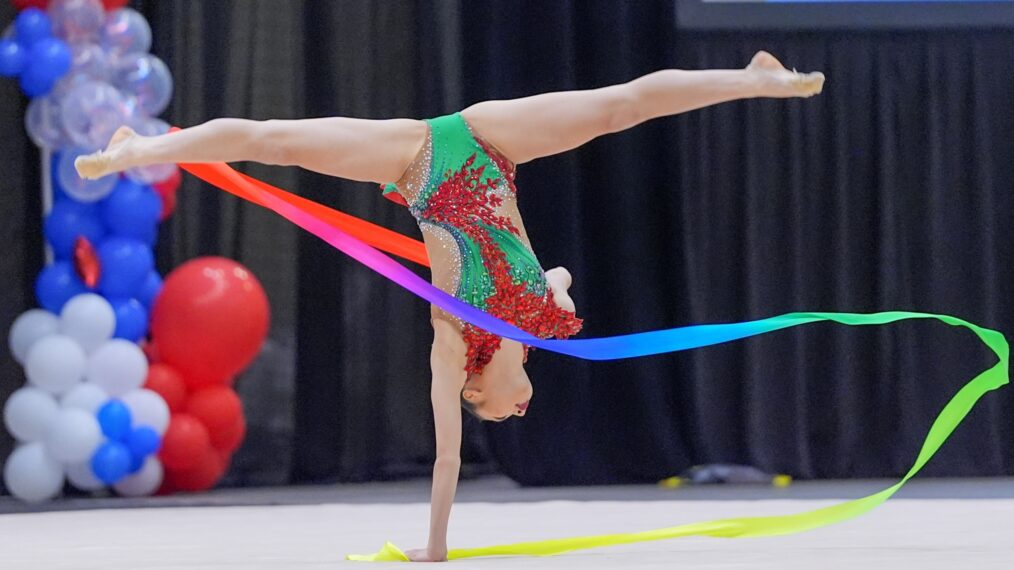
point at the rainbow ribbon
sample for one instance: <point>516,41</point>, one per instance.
<point>330,226</point>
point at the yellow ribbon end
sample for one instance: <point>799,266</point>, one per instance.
<point>389,553</point>
<point>782,481</point>
<point>671,483</point>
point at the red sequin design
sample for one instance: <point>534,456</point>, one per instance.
<point>465,201</point>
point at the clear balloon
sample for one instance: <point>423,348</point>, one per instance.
<point>44,122</point>
<point>148,409</point>
<point>90,60</point>
<point>143,483</point>
<point>73,436</point>
<point>28,328</point>
<point>147,78</point>
<point>81,476</point>
<point>85,396</point>
<point>118,367</point>
<point>77,20</point>
<point>28,413</point>
<point>55,364</point>
<point>149,127</point>
<point>126,31</point>
<point>89,319</point>
<point>91,113</point>
<point>78,188</point>
<point>32,475</point>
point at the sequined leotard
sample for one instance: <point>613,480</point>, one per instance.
<point>461,192</point>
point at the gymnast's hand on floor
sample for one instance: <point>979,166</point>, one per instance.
<point>423,555</point>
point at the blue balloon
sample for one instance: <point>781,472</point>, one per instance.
<point>13,58</point>
<point>126,263</point>
<point>136,463</point>
<point>111,462</point>
<point>35,83</point>
<point>132,210</point>
<point>67,221</point>
<point>114,419</point>
<point>50,58</point>
<point>143,442</point>
<point>54,165</point>
<point>150,290</point>
<point>56,284</point>
<point>31,26</point>
<point>131,319</point>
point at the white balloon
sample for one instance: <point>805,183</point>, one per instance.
<point>73,436</point>
<point>143,483</point>
<point>117,367</point>
<point>32,475</point>
<point>29,327</point>
<point>147,408</point>
<point>81,476</point>
<point>85,396</point>
<point>28,413</point>
<point>55,363</point>
<point>88,319</point>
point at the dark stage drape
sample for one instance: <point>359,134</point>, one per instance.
<point>889,191</point>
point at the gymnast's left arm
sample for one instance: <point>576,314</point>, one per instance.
<point>447,361</point>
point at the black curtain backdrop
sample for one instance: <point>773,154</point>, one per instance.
<point>889,191</point>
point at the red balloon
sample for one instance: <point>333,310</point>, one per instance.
<point>184,443</point>
<point>207,470</point>
<point>210,320</point>
<point>217,407</point>
<point>86,262</point>
<point>150,350</point>
<point>168,205</point>
<point>22,4</point>
<point>228,440</point>
<point>111,5</point>
<point>168,383</point>
<point>169,185</point>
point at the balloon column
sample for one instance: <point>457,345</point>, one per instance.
<point>99,409</point>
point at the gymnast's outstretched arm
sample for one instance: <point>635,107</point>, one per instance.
<point>551,123</point>
<point>356,149</point>
<point>447,362</point>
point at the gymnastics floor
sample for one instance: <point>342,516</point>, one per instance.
<point>932,523</point>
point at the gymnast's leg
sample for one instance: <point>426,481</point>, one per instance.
<point>542,125</point>
<point>356,149</point>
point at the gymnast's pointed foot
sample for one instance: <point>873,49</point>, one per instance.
<point>108,161</point>
<point>559,281</point>
<point>776,81</point>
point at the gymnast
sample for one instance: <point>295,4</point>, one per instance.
<point>456,176</point>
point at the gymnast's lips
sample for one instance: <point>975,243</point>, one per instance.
<point>523,406</point>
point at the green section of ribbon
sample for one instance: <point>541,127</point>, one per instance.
<point>953,413</point>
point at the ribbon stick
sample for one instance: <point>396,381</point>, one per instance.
<point>335,228</point>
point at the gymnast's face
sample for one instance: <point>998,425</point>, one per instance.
<point>498,394</point>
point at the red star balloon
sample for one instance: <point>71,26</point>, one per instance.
<point>86,262</point>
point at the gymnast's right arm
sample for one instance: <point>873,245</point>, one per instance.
<point>447,361</point>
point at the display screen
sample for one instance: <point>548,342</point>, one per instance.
<point>852,14</point>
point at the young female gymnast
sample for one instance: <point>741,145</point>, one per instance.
<point>456,175</point>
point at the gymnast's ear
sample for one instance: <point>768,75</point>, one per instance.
<point>471,395</point>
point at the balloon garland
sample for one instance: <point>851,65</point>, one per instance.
<point>104,406</point>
